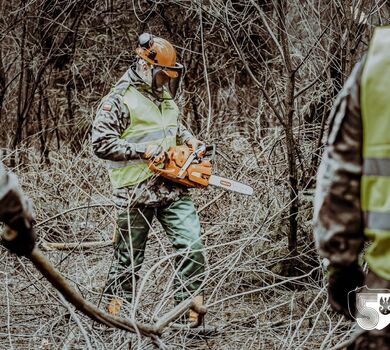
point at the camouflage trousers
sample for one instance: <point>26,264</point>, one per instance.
<point>374,339</point>
<point>181,224</point>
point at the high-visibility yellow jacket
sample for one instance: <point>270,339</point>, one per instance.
<point>150,125</point>
<point>375,184</point>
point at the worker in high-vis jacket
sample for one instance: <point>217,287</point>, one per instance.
<point>136,122</point>
<point>352,202</point>
<point>16,213</point>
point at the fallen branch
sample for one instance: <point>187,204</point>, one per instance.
<point>48,246</point>
<point>176,312</point>
<point>73,209</point>
<point>87,308</point>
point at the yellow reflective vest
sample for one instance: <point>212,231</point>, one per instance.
<point>375,185</point>
<point>149,125</point>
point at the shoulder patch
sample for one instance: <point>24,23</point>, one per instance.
<point>107,107</point>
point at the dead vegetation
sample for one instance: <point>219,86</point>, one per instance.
<point>251,302</point>
<point>261,78</point>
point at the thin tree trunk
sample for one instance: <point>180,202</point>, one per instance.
<point>19,118</point>
<point>43,134</point>
<point>288,129</point>
<point>3,83</point>
<point>21,88</point>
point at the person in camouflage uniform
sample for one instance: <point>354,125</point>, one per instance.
<point>351,201</point>
<point>15,212</point>
<point>120,136</point>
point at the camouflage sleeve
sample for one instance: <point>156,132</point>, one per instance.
<point>183,135</point>
<point>112,118</point>
<point>338,228</point>
<point>13,203</point>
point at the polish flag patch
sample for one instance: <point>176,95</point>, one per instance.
<point>107,107</point>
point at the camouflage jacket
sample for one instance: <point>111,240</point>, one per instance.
<point>338,221</point>
<point>109,124</point>
<point>12,201</point>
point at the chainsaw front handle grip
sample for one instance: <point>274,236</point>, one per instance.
<point>206,151</point>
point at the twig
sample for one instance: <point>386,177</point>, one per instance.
<point>48,246</point>
<point>76,319</point>
<point>206,77</point>
<point>8,313</point>
<point>73,209</point>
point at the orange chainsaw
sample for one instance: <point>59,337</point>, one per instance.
<point>193,168</point>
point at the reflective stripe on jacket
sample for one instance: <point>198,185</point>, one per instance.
<point>375,184</point>
<point>150,125</point>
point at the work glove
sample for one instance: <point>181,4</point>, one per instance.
<point>155,153</point>
<point>194,143</point>
<point>342,285</point>
<point>19,235</point>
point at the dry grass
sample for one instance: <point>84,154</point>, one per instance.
<point>252,303</point>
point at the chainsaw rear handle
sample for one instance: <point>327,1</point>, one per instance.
<point>210,151</point>
<point>205,151</point>
<point>200,151</point>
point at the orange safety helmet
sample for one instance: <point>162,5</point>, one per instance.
<point>159,52</point>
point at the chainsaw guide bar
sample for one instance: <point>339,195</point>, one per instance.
<point>230,185</point>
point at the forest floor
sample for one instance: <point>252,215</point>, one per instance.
<point>255,299</point>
